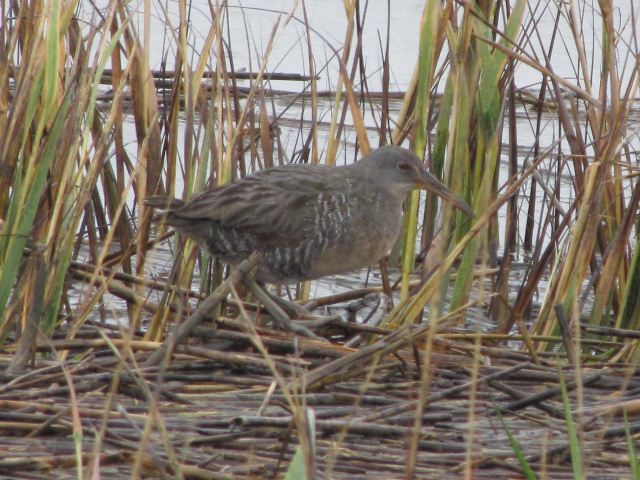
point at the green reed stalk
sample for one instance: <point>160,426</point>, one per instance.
<point>575,446</point>
<point>35,158</point>
<point>61,156</point>
<point>429,28</point>
<point>470,131</point>
<point>482,65</point>
<point>630,311</point>
<point>26,195</point>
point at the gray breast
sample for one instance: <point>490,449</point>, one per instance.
<point>344,234</point>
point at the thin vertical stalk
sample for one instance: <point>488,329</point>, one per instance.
<point>429,27</point>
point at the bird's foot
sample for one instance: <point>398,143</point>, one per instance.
<point>278,313</point>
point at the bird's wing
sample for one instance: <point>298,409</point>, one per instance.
<point>279,206</point>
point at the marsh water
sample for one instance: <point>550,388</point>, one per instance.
<point>251,24</point>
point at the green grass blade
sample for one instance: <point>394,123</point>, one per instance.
<point>297,470</point>
<point>629,316</point>
<point>633,457</point>
<point>428,33</point>
<point>527,471</point>
<point>298,467</point>
<point>20,215</point>
<point>574,442</point>
<point>51,74</point>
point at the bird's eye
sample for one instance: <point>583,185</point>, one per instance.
<point>404,167</point>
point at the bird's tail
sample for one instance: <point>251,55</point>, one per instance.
<point>165,204</point>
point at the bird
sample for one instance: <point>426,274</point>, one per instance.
<point>306,221</point>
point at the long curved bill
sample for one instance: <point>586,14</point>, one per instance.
<point>429,182</point>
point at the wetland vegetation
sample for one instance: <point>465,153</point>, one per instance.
<point>508,345</point>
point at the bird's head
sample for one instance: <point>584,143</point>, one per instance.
<point>400,170</point>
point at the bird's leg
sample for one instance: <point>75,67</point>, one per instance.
<point>303,314</point>
<point>293,309</point>
<point>204,310</point>
<point>278,314</point>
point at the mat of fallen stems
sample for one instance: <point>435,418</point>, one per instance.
<point>222,408</point>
